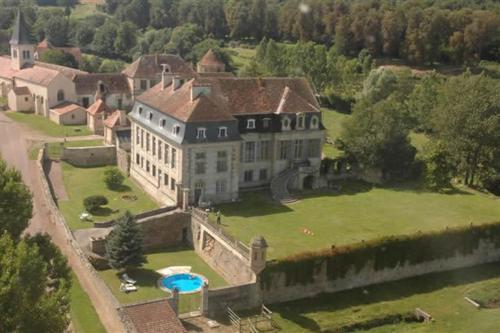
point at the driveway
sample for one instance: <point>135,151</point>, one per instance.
<point>14,149</point>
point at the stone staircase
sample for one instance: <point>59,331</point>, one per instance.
<point>279,186</point>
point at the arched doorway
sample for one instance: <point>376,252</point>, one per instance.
<point>308,183</point>
<point>199,187</point>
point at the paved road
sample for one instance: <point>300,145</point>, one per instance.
<point>14,145</point>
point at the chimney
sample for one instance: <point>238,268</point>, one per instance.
<point>177,82</point>
<point>166,76</point>
<point>123,118</point>
<point>198,89</point>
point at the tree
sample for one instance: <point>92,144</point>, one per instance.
<point>111,66</point>
<point>84,34</point>
<point>30,300</point>
<point>183,39</point>
<point>377,138</point>
<point>15,202</point>
<point>392,32</point>
<point>422,100</point>
<point>466,120</point>
<point>438,167</point>
<point>126,38</point>
<point>56,30</point>
<point>58,57</point>
<point>104,39</point>
<point>379,84</point>
<point>124,245</point>
<point>93,203</point>
<point>343,36</point>
<point>113,178</point>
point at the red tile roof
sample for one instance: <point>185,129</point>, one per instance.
<point>210,58</point>
<point>21,91</point>
<point>232,96</point>
<point>87,84</point>
<point>150,66</point>
<point>99,106</point>
<point>114,120</point>
<point>153,317</point>
<point>65,108</point>
<point>38,75</point>
<point>6,70</point>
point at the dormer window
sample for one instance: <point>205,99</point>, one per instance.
<point>140,110</point>
<point>301,121</point>
<point>222,132</point>
<point>251,124</point>
<point>314,122</point>
<point>150,116</point>
<point>163,122</point>
<point>201,133</point>
<point>266,122</point>
<point>285,123</point>
<point>176,130</point>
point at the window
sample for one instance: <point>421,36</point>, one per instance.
<point>142,138</point>
<point>150,116</point>
<point>154,170</point>
<point>200,156</point>
<point>154,146</point>
<point>120,103</point>
<point>221,161</point>
<point>172,184</point>
<point>137,159</point>
<point>301,121</point>
<point>26,54</point>
<point>144,84</point>
<point>60,95</point>
<point>165,179</point>
<point>263,174</point>
<point>250,123</point>
<point>249,152</point>
<point>265,150</point>
<point>314,146</point>
<point>174,157</point>
<point>152,83</point>
<point>220,186</point>
<point>148,168</point>
<point>222,132</point>
<point>284,150</point>
<point>314,122</point>
<point>167,148</point>
<point>248,176</point>
<point>85,102</point>
<point>142,162</point>
<point>176,129</point>
<point>140,110</point>
<point>297,149</point>
<point>285,123</point>
<point>160,150</point>
<point>201,133</point>
<point>147,141</point>
<point>200,168</point>
<point>72,116</point>
<point>26,99</point>
<point>163,122</point>
<point>266,123</point>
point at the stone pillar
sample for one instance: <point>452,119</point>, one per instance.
<point>185,199</point>
<point>258,249</point>
<point>204,299</point>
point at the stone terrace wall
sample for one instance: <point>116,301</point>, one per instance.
<point>279,291</point>
<point>242,297</point>
<point>165,230</point>
<point>225,256</point>
<point>89,156</point>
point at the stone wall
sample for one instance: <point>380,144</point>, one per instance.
<point>242,297</point>
<point>278,290</point>
<point>221,253</point>
<point>89,156</point>
<point>123,160</point>
<point>165,230</point>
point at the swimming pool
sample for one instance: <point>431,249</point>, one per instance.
<point>183,282</point>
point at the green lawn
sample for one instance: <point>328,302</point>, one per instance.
<point>147,278</point>
<point>83,314</point>
<point>83,182</point>
<point>46,126</point>
<point>359,212</point>
<point>332,120</point>
<point>55,148</point>
<point>441,295</point>
<point>241,56</point>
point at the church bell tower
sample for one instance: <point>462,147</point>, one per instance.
<point>22,44</point>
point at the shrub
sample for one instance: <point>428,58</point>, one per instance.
<point>113,178</point>
<point>93,203</point>
<point>492,184</point>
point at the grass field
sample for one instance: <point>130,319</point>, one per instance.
<point>55,148</point>
<point>83,314</point>
<point>46,126</point>
<point>241,56</point>
<point>83,182</point>
<point>147,278</point>
<point>359,212</point>
<point>441,295</point>
<point>332,120</point>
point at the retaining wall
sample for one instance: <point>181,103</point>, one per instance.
<point>89,156</point>
<point>242,297</point>
<point>277,289</point>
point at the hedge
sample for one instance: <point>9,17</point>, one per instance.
<point>385,253</point>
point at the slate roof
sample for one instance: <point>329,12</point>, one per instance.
<point>21,35</point>
<point>210,58</point>
<point>153,317</point>
<point>149,66</point>
<point>99,106</point>
<point>21,91</point>
<point>87,84</point>
<point>65,107</point>
<point>232,96</point>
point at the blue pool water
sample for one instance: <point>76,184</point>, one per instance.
<point>183,282</point>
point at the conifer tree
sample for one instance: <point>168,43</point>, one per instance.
<point>124,246</point>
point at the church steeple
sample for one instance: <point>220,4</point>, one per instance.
<point>22,43</point>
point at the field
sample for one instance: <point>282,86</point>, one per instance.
<point>332,121</point>
<point>147,278</point>
<point>241,56</point>
<point>441,295</point>
<point>83,314</point>
<point>83,182</point>
<point>358,212</point>
<point>47,127</point>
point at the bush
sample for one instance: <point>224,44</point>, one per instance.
<point>94,203</point>
<point>113,178</point>
<point>492,184</point>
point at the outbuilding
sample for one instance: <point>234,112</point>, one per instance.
<point>68,114</point>
<point>20,99</point>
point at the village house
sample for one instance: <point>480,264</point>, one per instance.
<point>203,139</point>
<point>45,45</point>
